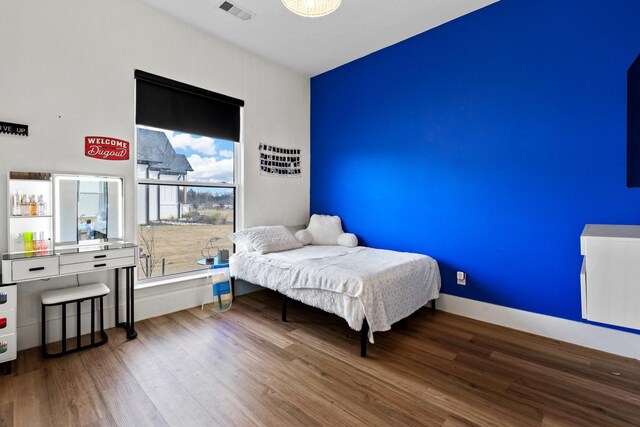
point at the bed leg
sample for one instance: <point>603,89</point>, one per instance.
<point>403,323</point>
<point>363,338</point>
<point>433,305</point>
<point>284,308</point>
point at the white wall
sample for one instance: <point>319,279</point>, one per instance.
<point>66,70</point>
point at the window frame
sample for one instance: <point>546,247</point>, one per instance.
<point>235,186</point>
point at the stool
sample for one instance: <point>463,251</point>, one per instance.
<point>76,294</point>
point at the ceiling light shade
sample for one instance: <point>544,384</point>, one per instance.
<point>312,8</point>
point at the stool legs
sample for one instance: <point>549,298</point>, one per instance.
<point>79,346</point>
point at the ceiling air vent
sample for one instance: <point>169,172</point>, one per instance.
<point>237,11</point>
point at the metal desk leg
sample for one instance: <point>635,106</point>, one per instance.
<point>128,323</point>
<point>118,297</point>
<point>126,301</point>
<point>131,332</point>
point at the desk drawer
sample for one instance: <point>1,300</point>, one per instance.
<point>97,265</point>
<point>98,256</point>
<point>8,297</point>
<point>7,322</point>
<point>8,347</point>
<point>34,268</point>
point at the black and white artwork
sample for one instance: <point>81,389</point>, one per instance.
<point>277,161</point>
<point>14,129</point>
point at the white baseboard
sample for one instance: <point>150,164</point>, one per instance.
<point>584,334</point>
<point>160,300</point>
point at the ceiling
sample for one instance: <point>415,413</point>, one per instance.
<point>311,46</point>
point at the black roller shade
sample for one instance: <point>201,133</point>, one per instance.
<point>172,105</point>
<point>633,124</point>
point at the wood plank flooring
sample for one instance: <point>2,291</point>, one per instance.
<point>245,367</point>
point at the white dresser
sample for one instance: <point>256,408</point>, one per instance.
<point>610,277</point>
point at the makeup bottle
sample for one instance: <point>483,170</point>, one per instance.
<point>42,242</point>
<point>28,242</point>
<point>18,244</point>
<point>33,206</point>
<point>24,205</point>
<point>42,208</point>
<point>16,198</point>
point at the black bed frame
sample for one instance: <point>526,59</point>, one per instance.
<point>364,331</point>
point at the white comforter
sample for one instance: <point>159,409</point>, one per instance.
<point>385,286</point>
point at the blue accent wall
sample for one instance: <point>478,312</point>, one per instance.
<point>487,143</point>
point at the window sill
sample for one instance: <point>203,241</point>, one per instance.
<point>152,283</point>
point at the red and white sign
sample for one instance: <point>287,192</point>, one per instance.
<point>105,148</point>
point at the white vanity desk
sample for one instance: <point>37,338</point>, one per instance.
<point>21,267</point>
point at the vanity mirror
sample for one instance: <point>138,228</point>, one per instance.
<point>87,209</point>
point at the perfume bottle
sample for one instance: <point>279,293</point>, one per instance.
<point>16,209</point>
<point>28,241</point>
<point>42,207</point>
<point>44,243</point>
<point>33,206</point>
<point>18,244</point>
<point>24,205</point>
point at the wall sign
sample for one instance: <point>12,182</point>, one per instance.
<point>14,129</point>
<point>277,161</point>
<point>105,148</point>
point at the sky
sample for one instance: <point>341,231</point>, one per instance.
<point>211,159</point>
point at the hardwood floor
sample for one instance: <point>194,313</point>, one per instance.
<point>246,367</point>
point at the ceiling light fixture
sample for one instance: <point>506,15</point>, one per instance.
<point>311,8</point>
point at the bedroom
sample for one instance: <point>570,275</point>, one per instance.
<point>526,130</point>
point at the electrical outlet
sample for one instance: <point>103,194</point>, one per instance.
<point>462,278</point>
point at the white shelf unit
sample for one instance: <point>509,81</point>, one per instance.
<point>8,341</point>
<point>610,277</point>
<point>36,184</point>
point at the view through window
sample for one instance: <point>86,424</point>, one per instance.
<point>186,197</point>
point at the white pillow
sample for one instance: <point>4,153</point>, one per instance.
<point>271,238</point>
<point>304,237</point>
<point>348,239</point>
<point>325,229</point>
<point>242,242</point>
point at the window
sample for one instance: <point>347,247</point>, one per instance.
<point>187,182</point>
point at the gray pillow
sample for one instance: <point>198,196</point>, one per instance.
<point>270,238</point>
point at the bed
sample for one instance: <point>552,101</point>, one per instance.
<point>370,288</point>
